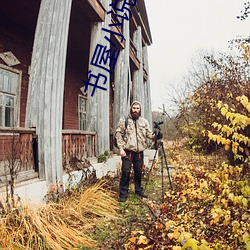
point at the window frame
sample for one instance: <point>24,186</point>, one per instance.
<point>17,96</point>
<point>79,112</point>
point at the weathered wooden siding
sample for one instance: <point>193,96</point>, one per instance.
<point>45,97</point>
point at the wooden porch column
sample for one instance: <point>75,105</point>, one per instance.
<point>98,104</point>
<point>147,94</point>
<point>138,89</point>
<point>122,80</point>
<point>45,95</point>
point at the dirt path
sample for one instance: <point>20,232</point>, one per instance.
<point>137,214</point>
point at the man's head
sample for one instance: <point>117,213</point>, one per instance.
<point>135,110</point>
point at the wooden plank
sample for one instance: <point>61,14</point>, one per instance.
<point>117,39</point>
<point>142,20</point>
<point>9,58</point>
<point>77,132</point>
<point>135,63</point>
<point>21,177</point>
<point>17,130</point>
<point>92,9</point>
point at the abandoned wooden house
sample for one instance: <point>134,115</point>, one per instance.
<point>47,116</point>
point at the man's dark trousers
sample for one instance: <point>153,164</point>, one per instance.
<point>135,158</point>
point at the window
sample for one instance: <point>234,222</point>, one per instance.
<point>9,97</point>
<point>82,101</point>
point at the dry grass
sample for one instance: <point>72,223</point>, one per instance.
<point>62,225</point>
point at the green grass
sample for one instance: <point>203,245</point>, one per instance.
<point>136,216</point>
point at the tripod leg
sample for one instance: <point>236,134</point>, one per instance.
<point>150,170</point>
<point>162,178</point>
<point>165,158</point>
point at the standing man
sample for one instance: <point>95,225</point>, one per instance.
<point>132,141</point>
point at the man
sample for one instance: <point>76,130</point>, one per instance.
<point>131,142</point>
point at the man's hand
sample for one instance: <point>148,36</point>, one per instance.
<point>122,152</point>
<point>159,135</point>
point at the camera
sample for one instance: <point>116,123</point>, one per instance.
<point>157,125</point>
<point>157,132</point>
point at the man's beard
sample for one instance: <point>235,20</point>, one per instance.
<point>135,115</point>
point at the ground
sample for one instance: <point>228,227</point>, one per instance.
<point>137,215</point>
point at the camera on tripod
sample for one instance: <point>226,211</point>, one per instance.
<point>159,148</point>
<point>157,131</point>
<point>157,125</point>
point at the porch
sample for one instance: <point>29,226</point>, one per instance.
<point>19,152</point>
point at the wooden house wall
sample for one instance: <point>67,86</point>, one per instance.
<point>15,38</point>
<point>61,45</point>
<point>72,86</point>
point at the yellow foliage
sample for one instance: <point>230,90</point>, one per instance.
<point>191,243</point>
<point>245,203</point>
<point>204,247</point>
<point>229,135</point>
<point>184,237</point>
<point>246,239</point>
<point>223,111</point>
<point>142,240</point>
<point>176,248</point>
<point>169,224</point>
<point>133,240</point>
<point>245,191</point>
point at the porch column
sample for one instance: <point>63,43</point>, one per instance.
<point>147,94</point>
<point>122,79</point>
<point>98,104</point>
<point>138,89</point>
<point>46,86</point>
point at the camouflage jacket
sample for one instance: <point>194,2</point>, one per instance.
<point>136,134</point>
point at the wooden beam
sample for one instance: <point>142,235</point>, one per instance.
<point>17,130</point>
<point>145,74</point>
<point>144,30</point>
<point>134,60</point>
<point>92,9</point>
<point>77,132</point>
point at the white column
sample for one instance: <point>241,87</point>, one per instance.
<point>45,96</point>
<point>138,89</point>
<point>147,90</point>
<point>122,79</point>
<point>98,104</point>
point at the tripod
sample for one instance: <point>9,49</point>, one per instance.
<point>159,148</point>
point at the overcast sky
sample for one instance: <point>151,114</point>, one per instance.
<point>181,28</point>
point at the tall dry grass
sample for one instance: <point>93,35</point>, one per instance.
<point>62,225</point>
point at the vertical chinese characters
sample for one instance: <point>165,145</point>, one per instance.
<point>106,58</point>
